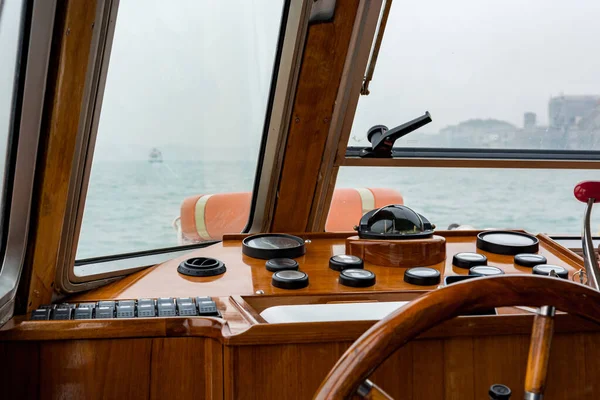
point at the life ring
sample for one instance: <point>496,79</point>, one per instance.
<point>210,216</point>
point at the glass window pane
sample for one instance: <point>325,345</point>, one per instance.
<point>536,200</point>
<point>182,115</point>
<point>506,74</point>
<point>11,21</point>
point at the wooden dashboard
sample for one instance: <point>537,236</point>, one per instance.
<point>243,356</point>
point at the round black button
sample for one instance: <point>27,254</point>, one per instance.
<point>281,264</point>
<point>341,262</point>
<point>549,270</point>
<point>530,260</point>
<point>356,277</point>
<point>290,280</point>
<point>422,276</point>
<point>485,270</point>
<point>468,260</point>
<point>499,392</point>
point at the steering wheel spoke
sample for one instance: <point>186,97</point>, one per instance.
<point>370,391</point>
<point>539,353</point>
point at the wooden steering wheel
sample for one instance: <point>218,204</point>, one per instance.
<point>349,376</point>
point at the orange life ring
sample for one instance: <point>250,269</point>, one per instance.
<point>209,216</point>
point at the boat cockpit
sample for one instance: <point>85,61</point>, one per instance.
<point>299,199</point>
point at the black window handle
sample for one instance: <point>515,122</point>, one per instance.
<point>382,140</point>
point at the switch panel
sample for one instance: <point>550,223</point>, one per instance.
<point>141,308</point>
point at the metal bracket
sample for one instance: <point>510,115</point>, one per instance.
<point>322,11</point>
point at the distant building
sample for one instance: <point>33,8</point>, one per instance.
<point>480,133</point>
<point>529,120</point>
<point>565,112</point>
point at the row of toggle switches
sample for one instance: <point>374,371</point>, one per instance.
<point>141,308</point>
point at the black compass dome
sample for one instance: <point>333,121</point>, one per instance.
<point>394,222</point>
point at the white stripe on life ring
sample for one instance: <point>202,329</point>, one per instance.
<point>367,198</point>
<point>199,216</point>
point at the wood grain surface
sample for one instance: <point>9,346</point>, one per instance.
<point>399,253</point>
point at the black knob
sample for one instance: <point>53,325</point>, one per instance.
<point>499,392</point>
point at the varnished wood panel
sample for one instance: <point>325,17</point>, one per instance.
<point>69,62</point>
<point>459,374</point>
<point>278,372</point>
<point>399,253</point>
<point>186,368</point>
<point>174,368</point>
<point>452,369</point>
<point>20,365</point>
<point>246,275</point>
<point>500,359</point>
<point>95,369</point>
<point>320,74</point>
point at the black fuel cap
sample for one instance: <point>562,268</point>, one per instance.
<point>290,280</point>
<point>422,276</point>
<point>549,270</point>
<point>201,266</point>
<point>485,270</point>
<point>356,277</point>
<point>281,264</point>
<point>341,262</point>
<point>530,260</point>
<point>468,260</point>
<point>499,392</point>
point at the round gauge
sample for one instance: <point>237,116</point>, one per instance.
<point>281,264</point>
<point>273,245</point>
<point>290,280</point>
<point>550,270</point>
<point>344,261</point>
<point>356,277</point>
<point>530,260</point>
<point>485,270</point>
<point>422,276</point>
<point>507,242</point>
<point>468,260</point>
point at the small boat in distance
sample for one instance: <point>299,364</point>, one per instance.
<point>155,156</point>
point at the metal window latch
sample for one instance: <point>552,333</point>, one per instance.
<point>382,140</point>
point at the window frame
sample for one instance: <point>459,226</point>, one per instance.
<point>38,21</point>
<point>295,15</point>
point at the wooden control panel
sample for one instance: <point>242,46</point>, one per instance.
<point>246,275</point>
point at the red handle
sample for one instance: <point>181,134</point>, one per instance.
<point>587,190</point>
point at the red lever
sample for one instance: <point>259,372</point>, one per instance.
<point>587,190</point>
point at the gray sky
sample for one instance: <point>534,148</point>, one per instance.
<point>192,76</point>
<point>189,77</point>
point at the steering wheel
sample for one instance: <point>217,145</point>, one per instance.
<point>349,375</point>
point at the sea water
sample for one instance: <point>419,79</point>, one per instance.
<point>131,205</point>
